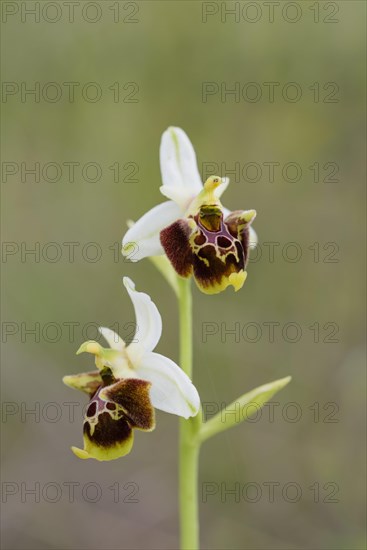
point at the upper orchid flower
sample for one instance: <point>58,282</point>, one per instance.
<point>199,236</point>
<point>129,382</point>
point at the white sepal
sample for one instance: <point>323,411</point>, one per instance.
<point>142,239</point>
<point>148,319</point>
<point>180,174</point>
<point>172,390</point>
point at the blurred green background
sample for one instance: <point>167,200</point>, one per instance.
<point>169,52</point>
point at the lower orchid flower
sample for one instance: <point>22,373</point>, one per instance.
<point>199,236</point>
<point>130,382</point>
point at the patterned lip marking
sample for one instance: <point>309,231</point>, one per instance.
<point>212,249</point>
<point>92,409</point>
<point>212,231</point>
<point>100,406</point>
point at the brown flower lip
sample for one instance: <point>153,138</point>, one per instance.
<point>212,249</point>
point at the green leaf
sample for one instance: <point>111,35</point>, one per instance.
<point>242,409</point>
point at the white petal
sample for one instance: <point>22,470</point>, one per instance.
<point>113,339</point>
<point>142,239</point>
<point>178,195</point>
<point>226,212</point>
<point>253,237</point>
<point>148,319</point>
<point>180,174</point>
<point>172,390</point>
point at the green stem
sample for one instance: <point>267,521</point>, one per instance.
<point>189,433</point>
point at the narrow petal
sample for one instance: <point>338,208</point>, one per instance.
<point>87,382</point>
<point>148,319</point>
<point>115,360</point>
<point>172,390</point>
<point>142,239</point>
<point>113,339</point>
<point>180,174</point>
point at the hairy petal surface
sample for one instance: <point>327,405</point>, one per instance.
<point>175,240</point>
<point>111,415</point>
<point>133,395</point>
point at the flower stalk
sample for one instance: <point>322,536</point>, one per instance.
<point>189,446</point>
<point>194,431</point>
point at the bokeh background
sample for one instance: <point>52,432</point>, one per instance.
<point>316,439</point>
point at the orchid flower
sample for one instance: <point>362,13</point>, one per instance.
<point>199,236</point>
<point>130,381</point>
